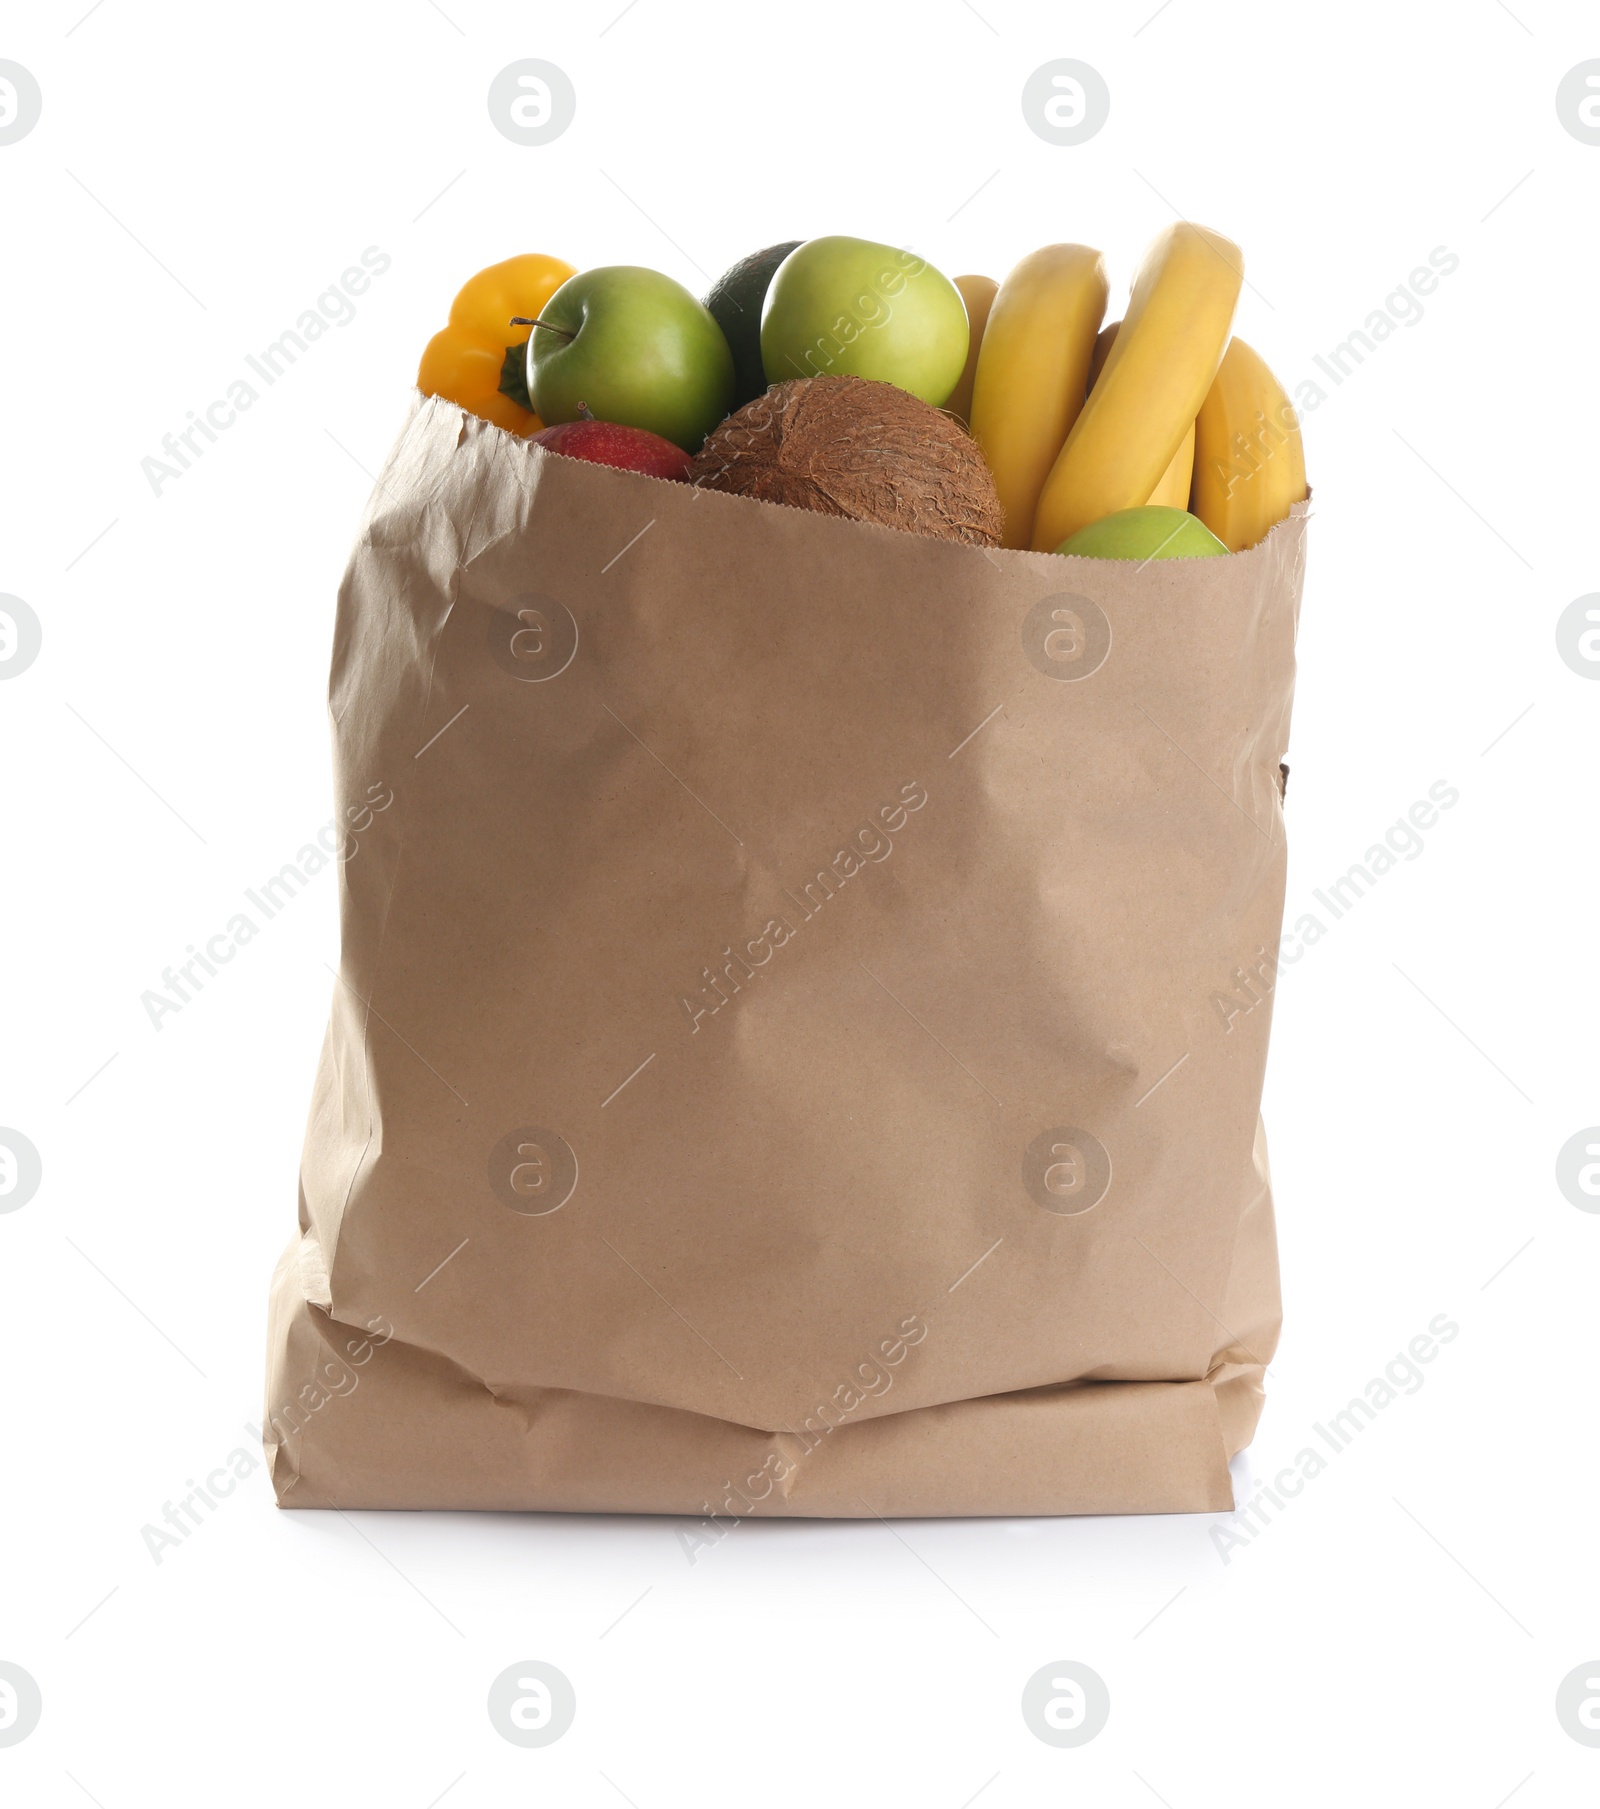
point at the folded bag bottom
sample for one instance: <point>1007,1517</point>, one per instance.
<point>358,1424</point>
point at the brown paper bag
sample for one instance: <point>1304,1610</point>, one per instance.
<point>804,1000</point>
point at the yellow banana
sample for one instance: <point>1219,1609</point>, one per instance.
<point>1032,371</point>
<point>1172,490</point>
<point>1155,378</point>
<point>978,293</point>
<point>1103,341</point>
<point>1250,463</point>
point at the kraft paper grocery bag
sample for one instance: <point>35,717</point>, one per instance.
<point>803,1007</point>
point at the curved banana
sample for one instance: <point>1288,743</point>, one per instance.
<point>978,292</point>
<point>1250,462</point>
<point>1172,489</point>
<point>1032,370</point>
<point>1155,378</point>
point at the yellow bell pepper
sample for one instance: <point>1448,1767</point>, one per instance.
<point>477,361</point>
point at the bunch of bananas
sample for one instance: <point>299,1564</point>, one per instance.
<point>1079,421</point>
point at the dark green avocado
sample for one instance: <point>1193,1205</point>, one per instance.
<point>735,304</point>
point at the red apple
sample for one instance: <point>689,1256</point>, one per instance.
<point>610,443</point>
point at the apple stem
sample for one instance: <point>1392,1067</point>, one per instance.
<point>583,412</point>
<point>521,320</point>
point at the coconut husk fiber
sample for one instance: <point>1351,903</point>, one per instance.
<point>865,450</point>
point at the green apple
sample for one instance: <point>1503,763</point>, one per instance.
<point>849,308</point>
<point>1152,532</point>
<point>633,347</point>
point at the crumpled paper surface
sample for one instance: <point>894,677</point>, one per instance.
<point>803,1006</point>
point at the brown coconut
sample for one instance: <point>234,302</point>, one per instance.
<point>869,451</point>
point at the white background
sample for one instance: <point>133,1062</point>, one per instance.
<point>199,175</point>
